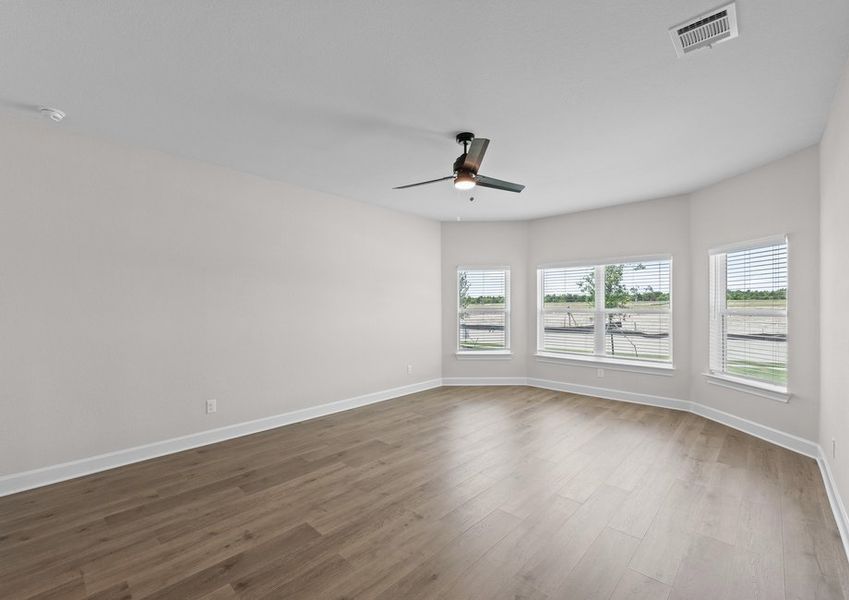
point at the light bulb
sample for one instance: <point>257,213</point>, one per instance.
<point>464,180</point>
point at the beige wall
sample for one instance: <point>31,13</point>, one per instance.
<point>134,286</point>
<point>485,244</point>
<point>638,229</point>
<point>834,289</point>
<point>781,197</point>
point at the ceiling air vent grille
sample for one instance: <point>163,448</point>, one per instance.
<point>705,30</point>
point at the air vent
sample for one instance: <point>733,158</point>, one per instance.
<point>705,30</point>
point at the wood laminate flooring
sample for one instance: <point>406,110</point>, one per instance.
<point>458,493</point>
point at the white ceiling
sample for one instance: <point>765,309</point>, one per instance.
<point>585,102</point>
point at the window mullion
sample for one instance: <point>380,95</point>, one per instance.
<point>599,311</point>
<point>540,310</point>
<point>722,305</point>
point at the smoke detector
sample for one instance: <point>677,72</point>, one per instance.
<point>704,31</point>
<point>54,114</point>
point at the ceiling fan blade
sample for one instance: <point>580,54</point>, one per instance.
<point>409,185</point>
<point>474,157</point>
<point>497,184</point>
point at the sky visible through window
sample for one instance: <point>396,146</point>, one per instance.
<point>635,275</point>
<point>485,283</point>
<point>759,269</point>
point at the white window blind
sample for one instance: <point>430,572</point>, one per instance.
<point>619,311</point>
<point>748,313</point>
<point>567,311</point>
<point>483,309</point>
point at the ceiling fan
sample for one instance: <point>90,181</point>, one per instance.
<point>466,168</point>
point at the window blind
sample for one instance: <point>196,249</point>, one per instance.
<point>568,310</point>
<point>748,320</point>
<point>483,315</point>
<point>637,310</point>
<point>621,310</point>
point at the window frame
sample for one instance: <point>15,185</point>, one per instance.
<point>718,308</point>
<point>599,311</point>
<point>506,351</point>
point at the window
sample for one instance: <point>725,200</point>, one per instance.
<point>483,310</point>
<point>748,313</point>
<point>619,311</point>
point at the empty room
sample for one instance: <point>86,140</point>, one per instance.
<point>424,300</point>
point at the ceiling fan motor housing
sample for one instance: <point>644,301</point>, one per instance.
<point>458,165</point>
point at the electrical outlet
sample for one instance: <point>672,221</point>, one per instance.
<point>599,372</point>
<point>211,406</point>
<point>409,369</point>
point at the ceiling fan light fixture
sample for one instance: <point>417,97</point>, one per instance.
<point>464,180</point>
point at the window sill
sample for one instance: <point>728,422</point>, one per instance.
<point>764,390</point>
<point>484,355</point>
<point>648,368</point>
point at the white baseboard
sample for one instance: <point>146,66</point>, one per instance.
<point>780,438</point>
<point>18,482</point>
<point>474,381</point>
<point>608,394</point>
<point>834,499</point>
<point>774,436</point>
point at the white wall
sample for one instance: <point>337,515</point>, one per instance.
<point>134,285</point>
<point>834,287</point>
<point>778,198</point>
